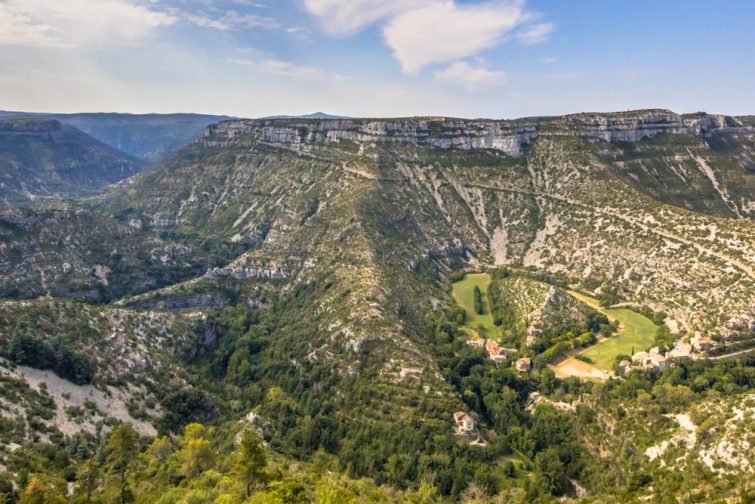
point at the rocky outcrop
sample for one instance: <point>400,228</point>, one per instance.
<point>259,272</point>
<point>509,136</point>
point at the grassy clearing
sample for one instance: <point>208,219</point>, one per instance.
<point>463,293</point>
<point>636,333</point>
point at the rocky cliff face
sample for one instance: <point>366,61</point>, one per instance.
<point>507,136</point>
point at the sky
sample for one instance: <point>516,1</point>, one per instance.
<point>377,58</point>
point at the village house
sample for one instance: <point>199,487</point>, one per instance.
<point>681,350</point>
<point>649,361</point>
<point>702,343</point>
<point>464,422</point>
<point>495,351</point>
<point>658,359</point>
<point>523,365</point>
<point>642,358</point>
<point>625,366</point>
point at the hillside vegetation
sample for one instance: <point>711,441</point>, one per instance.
<point>295,279</point>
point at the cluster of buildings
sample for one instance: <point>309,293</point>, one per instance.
<point>655,360</point>
<point>496,352</point>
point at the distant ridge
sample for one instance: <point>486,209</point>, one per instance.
<point>43,159</point>
<point>149,137</point>
<point>315,115</point>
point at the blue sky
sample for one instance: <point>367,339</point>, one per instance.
<point>484,58</point>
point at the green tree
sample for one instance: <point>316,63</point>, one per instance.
<point>478,307</point>
<point>40,491</point>
<point>550,475</point>
<point>88,478</point>
<point>425,494</point>
<point>121,448</point>
<point>328,491</point>
<point>249,460</point>
<point>196,457</point>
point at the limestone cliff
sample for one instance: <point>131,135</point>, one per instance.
<point>508,136</point>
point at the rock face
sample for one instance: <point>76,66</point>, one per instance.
<point>508,136</point>
<point>255,272</point>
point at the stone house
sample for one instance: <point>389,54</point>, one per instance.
<point>625,366</point>
<point>523,365</point>
<point>702,343</point>
<point>464,422</point>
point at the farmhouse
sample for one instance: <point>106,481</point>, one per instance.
<point>464,422</point>
<point>625,366</point>
<point>650,361</point>
<point>495,351</point>
<point>523,365</point>
<point>702,343</point>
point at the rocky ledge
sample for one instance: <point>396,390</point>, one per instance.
<point>508,136</point>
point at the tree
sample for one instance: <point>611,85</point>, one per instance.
<point>250,460</point>
<point>39,491</point>
<point>120,450</point>
<point>425,494</point>
<point>327,491</point>
<point>478,308</point>
<point>88,478</point>
<point>196,457</point>
<point>550,475</point>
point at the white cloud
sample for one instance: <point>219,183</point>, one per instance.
<point>536,33</point>
<point>71,23</point>
<point>468,76</point>
<point>427,32</point>
<point>232,20</point>
<point>344,17</point>
<point>445,31</point>
<point>281,68</point>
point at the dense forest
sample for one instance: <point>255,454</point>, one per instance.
<point>308,450</point>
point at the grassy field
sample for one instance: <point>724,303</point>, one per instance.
<point>636,333</point>
<point>463,294</point>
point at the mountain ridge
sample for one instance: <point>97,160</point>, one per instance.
<point>43,159</point>
<point>149,137</point>
<point>505,135</point>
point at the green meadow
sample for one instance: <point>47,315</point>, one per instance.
<point>463,293</point>
<point>636,333</point>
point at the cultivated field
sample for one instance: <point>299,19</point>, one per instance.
<point>636,333</point>
<point>463,294</point>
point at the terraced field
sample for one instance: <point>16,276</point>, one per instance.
<point>477,325</point>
